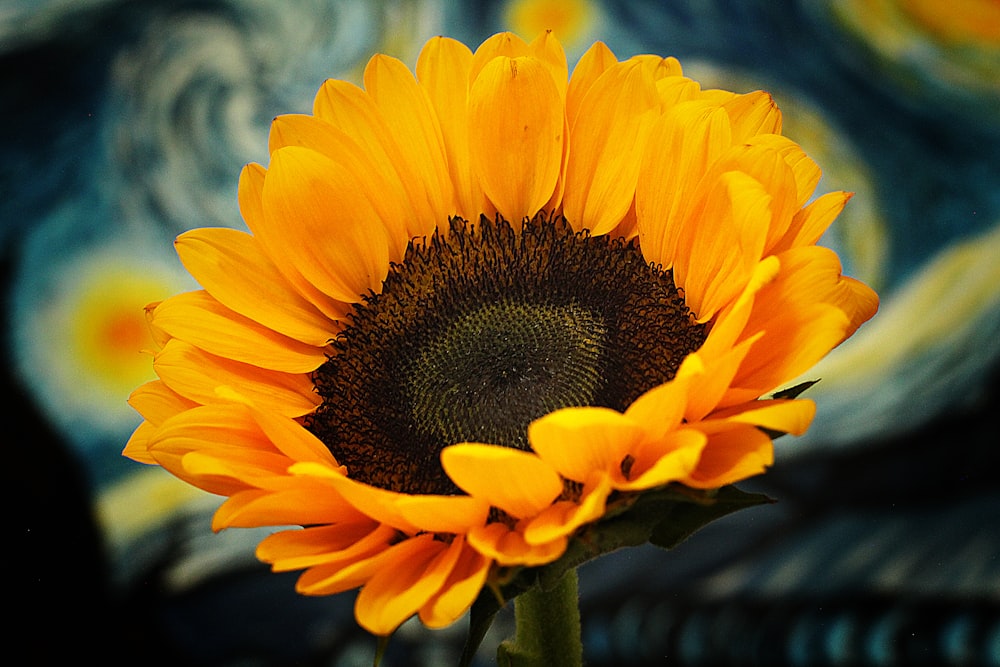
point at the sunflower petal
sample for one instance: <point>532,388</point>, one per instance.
<point>459,591</point>
<point>608,139</point>
<point>414,128</point>
<point>733,452</point>
<point>333,233</point>
<point>508,547</point>
<point>321,545</point>
<point>516,131</point>
<point>578,441</point>
<point>519,483</point>
<point>250,195</point>
<point>420,569</point>
<point>198,319</point>
<point>443,71</point>
<point>197,375</point>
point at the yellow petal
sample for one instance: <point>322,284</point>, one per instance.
<point>721,242</point>
<point>516,131</point>
<point>443,71</point>
<point>157,402</point>
<point>137,446</point>
<point>588,69</point>
<point>792,343</point>
<point>354,112</point>
<point>297,549</point>
<point>549,51</point>
<point>681,145</point>
<point>608,139</point>
<point>519,483</point>
<point>806,172</point>
<point>561,519</point>
<point>459,591</point>
<point>305,505</point>
<point>272,241</point>
<point>225,261</point>
<point>508,547</point>
<point>669,459</point>
<point>733,452</point>
<point>444,514</point>
<point>292,439</point>
<point>420,568</point>
<point>414,128</point>
<point>809,223</point>
<point>332,232</point>
<point>380,504</point>
<point>502,44</point>
<point>379,180</point>
<point>198,319</point>
<point>752,114</point>
<point>580,441</point>
<point>197,376</point>
<point>661,408</point>
<point>786,416</point>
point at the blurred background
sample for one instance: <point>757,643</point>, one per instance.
<point>126,123</point>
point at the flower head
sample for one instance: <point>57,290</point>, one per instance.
<point>479,306</point>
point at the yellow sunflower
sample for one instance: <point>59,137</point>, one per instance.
<point>479,305</point>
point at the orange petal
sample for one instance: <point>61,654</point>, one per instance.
<point>227,261</point>
<point>516,131</point>
<point>443,70</point>
<point>786,416</point>
<point>304,505</point>
<point>197,376</point>
<point>324,545</point>
<point>578,442</point>
<point>681,145</point>
<point>198,319</point>
<point>379,180</point>
<point>809,224</point>
<point>660,409</point>
<point>752,114</point>
<point>459,591</point>
<point>670,459</point>
<point>561,519</point>
<point>355,566</point>
<point>519,483</point>
<point>549,51</point>
<point>414,128</point>
<point>380,504</point>
<point>348,107</point>
<point>444,514</point>
<point>292,439</point>
<point>502,44</point>
<point>332,232</point>
<point>508,547</point>
<point>733,452</point>
<point>792,343</point>
<point>590,66</point>
<point>272,242</point>
<point>395,593</point>
<point>721,242</point>
<point>608,139</point>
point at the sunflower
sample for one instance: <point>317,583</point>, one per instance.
<point>478,306</point>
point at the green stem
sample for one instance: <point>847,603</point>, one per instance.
<point>547,628</point>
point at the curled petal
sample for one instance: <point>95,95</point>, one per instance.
<point>519,483</point>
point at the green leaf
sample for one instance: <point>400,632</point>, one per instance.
<point>681,520</point>
<point>481,616</point>
<point>793,392</point>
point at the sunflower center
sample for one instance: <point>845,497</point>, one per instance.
<point>482,329</point>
